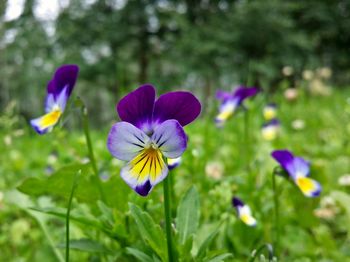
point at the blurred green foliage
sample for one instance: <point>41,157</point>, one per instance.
<point>193,44</point>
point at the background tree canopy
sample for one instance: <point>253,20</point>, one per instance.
<point>192,44</point>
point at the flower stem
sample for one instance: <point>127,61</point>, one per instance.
<point>75,182</point>
<point>276,211</point>
<point>246,145</point>
<point>167,214</point>
<point>91,152</point>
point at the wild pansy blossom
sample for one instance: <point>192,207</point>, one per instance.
<point>244,212</point>
<point>150,131</point>
<point>298,169</point>
<point>174,162</point>
<point>270,111</point>
<point>230,101</point>
<point>59,90</point>
<point>270,130</point>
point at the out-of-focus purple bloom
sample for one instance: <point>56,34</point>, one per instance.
<point>150,130</point>
<point>244,212</point>
<point>298,170</point>
<point>270,130</point>
<point>174,162</point>
<point>231,101</point>
<point>270,111</point>
<point>58,91</point>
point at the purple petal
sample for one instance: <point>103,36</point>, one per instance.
<point>143,190</point>
<point>181,106</point>
<point>301,166</point>
<point>223,95</point>
<point>125,141</point>
<point>173,162</point>
<point>242,93</point>
<point>273,122</point>
<point>65,76</point>
<point>236,202</point>
<point>137,107</point>
<point>286,159</point>
<point>170,138</point>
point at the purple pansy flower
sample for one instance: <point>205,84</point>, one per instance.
<point>150,130</point>
<point>231,101</point>
<point>271,130</point>
<point>244,212</point>
<point>298,169</point>
<point>58,91</point>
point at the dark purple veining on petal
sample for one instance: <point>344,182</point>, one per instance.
<point>143,190</point>
<point>181,106</point>
<point>137,107</point>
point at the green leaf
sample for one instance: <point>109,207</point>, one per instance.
<point>60,184</point>
<point>150,232</point>
<point>185,249</point>
<point>116,191</point>
<point>139,254</point>
<point>87,245</point>
<point>60,212</point>
<point>218,258</point>
<point>206,243</point>
<point>188,215</point>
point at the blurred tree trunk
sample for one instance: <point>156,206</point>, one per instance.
<point>143,56</point>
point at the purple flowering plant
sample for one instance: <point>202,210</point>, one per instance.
<point>59,90</point>
<point>230,102</point>
<point>151,130</point>
<point>298,170</point>
<point>244,212</point>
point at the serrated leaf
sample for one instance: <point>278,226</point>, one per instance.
<point>139,254</point>
<point>188,215</point>
<point>87,245</point>
<point>150,232</point>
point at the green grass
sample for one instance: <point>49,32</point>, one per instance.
<point>246,167</point>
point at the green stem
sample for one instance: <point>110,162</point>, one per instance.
<point>258,251</point>
<point>172,193</point>
<point>91,152</point>
<point>276,211</point>
<point>52,244</point>
<point>75,181</point>
<point>246,139</point>
<point>167,214</point>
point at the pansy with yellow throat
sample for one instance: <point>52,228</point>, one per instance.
<point>150,132</point>
<point>298,170</point>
